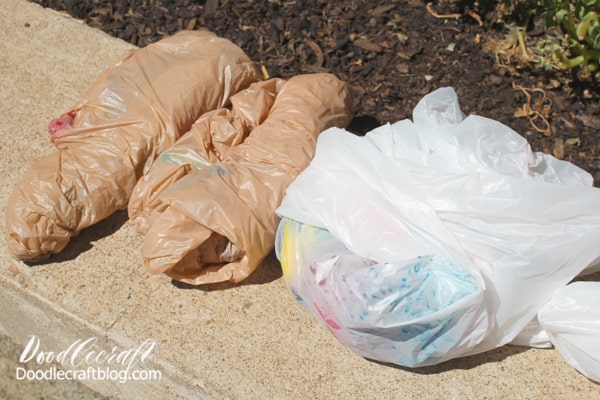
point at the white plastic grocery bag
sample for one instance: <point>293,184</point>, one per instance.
<point>435,238</point>
<point>572,320</point>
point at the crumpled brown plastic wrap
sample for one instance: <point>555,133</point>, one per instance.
<point>134,111</point>
<point>207,205</point>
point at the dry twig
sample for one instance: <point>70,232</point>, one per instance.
<point>538,109</point>
<point>436,15</point>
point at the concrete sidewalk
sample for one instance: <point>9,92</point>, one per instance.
<point>250,341</point>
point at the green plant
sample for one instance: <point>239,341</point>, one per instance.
<point>579,21</point>
<point>575,41</point>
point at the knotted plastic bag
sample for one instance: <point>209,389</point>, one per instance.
<point>134,111</point>
<point>207,205</point>
<point>435,238</point>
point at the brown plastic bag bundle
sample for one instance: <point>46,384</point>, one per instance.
<point>207,205</point>
<point>135,110</point>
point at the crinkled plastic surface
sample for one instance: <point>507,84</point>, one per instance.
<point>410,312</point>
<point>207,205</point>
<point>572,320</point>
<point>492,228</point>
<point>134,111</point>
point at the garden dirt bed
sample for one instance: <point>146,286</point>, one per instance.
<point>391,53</point>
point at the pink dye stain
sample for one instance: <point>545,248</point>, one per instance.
<point>326,318</point>
<point>57,126</point>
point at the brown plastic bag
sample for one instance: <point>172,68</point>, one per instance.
<point>207,206</point>
<point>135,110</point>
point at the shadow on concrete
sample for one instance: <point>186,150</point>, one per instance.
<point>463,363</point>
<point>86,238</point>
<point>268,271</point>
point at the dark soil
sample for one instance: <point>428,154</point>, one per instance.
<point>391,53</point>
